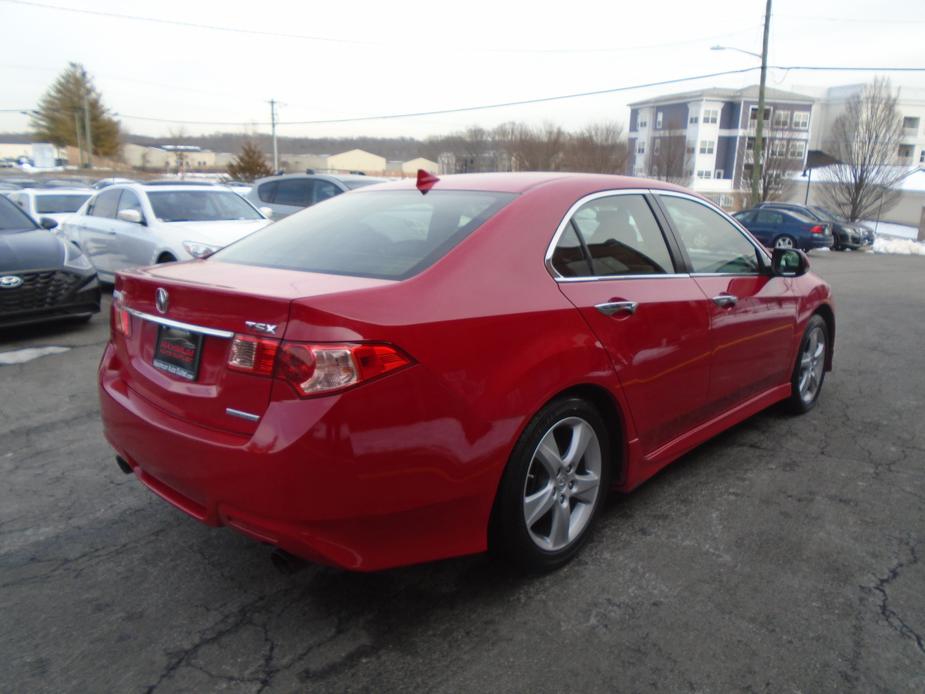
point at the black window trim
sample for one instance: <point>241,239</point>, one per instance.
<point>673,248</point>
<point>763,258</point>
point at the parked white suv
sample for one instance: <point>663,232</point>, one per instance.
<point>125,226</point>
<point>50,203</point>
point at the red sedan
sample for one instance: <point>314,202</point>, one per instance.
<point>410,372</point>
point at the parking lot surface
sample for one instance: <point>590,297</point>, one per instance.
<point>782,556</point>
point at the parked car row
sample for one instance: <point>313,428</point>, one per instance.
<point>790,225</point>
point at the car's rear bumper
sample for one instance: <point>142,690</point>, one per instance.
<point>337,480</point>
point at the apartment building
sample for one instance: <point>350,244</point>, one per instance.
<point>705,139</point>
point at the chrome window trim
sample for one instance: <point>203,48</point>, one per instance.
<point>568,218</point>
<point>212,332</point>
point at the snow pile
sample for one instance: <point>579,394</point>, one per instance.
<point>21,356</point>
<point>898,246</point>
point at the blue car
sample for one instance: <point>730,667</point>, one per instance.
<point>777,228</point>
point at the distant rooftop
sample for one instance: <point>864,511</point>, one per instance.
<point>722,94</point>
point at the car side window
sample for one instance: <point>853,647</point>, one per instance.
<point>569,257</point>
<point>130,201</point>
<point>105,204</point>
<point>769,217</point>
<point>713,244</point>
<point>325,190</point>
<point>267,191</point>
<point>620,236</point>
<point>294,191</point>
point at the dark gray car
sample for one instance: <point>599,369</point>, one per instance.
<point>292,192</point>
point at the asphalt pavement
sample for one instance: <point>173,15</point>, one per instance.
<point>781,556</point>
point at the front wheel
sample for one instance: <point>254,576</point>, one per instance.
<point>553,487</point>
<point>784,242</point>
<point>809,370</point>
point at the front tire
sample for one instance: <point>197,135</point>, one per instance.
<point>809,369</point>
<point>554,486</point>
<point>784,241</point>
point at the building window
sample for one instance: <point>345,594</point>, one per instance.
<point>905,151</point>
<point>658,119</point>
<point>642,121</point>
<point>711,115</point>
<point>797,148</point>
<point>641,148</point>
<point>690,149</point>
<point>910,123</point>
<point>782,119</point>
<point>705,174</point>
<point>801,120</point>
<point>779,148</point>
<point>922,157</point>
<point>749,144</point>
<point>753,114</point>
<point>706,146</point>
<point>692,120</point>
<point>719,173</point>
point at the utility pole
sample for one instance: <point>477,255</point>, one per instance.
<point>87,132</point>
<point>80,149</point>
<point>273,128</point>
<point>758,152</point>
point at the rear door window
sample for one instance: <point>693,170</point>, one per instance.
<point>388,234</point>
<point>294,191</point>
<point>267,191</point>
<point>769,217</point>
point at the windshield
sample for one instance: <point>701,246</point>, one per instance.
<point>825,214</point>
<point>12,218</point>
<point>387,234</point>
<point>200,206</point>
<point>52,204</point>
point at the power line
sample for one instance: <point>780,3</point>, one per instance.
<point>355,42</point>
<point>525,102</point>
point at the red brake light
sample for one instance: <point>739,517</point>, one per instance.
<point>255,355</point>
<point>818,229</point>
<point>121,320</point>
<point>319,369</point>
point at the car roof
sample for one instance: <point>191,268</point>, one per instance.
<point>320,176</point>
<point>59,191</point>
<point>162,187</point>
<point>521,182</point>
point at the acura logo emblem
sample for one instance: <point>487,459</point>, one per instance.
<point>10,282</point>
<point>161,300</point>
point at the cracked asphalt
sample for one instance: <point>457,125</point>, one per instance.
<point>781,556</point>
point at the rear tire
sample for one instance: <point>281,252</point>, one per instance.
<point>785,241</point>
<point>809,369</point>
<point>554,486</point>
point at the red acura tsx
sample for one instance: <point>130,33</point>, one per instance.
<point>419,370</point>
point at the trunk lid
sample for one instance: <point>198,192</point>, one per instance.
<point>208,302</point>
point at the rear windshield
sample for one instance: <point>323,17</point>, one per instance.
<point>50,204</point>
<point>200,205</point>
<point>386,234</point>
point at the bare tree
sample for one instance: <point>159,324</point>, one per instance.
<point>670,158</point>
<point>597,148</point>
<point>865,141</point>
<point>782,158</point>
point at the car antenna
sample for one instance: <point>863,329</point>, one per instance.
<point>425,181</point>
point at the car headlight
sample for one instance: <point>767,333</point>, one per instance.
<point>73,258</point>
<point>199,250</point>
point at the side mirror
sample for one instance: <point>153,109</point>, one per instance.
<point>132,216</point>
<point>48,223</point>
<point>789,262</point>
<point>267,212</point>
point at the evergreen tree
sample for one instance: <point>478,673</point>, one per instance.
<point>54,121</point>
<point>249,164</point>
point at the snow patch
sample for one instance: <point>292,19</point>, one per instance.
<point>903,231</point>
<point>898,246</point>
<point>21,356</point>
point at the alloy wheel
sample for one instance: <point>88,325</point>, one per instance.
<point>562,485</point>
<point>812,363</point>
<point>783,242</point>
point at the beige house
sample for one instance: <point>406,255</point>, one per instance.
<point>300,163</point>
<point>358,160</point>
<point>410,168</point>
<point>168,157</point>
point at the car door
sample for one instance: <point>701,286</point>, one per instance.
<point>96,230</point>
<point>613,262</point>
<point>134,240</point>
<point>766,225</point>
<point>753,314</point>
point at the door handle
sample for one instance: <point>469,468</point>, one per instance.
<point>611,307</point>
<point>725,300</point>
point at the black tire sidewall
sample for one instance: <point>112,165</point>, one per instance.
<point>509,534</point>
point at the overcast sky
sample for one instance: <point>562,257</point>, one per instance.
<point>400,57</point>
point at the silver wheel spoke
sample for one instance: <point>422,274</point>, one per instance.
<point>582,435</point>
<point>548,455</point>
<point>537,505</point>
<point>559,533</point>
<point>585,488</point>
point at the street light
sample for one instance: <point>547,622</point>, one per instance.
<point>759,125</point>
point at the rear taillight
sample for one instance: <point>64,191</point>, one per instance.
<point>817,229</point>
<point>254,355</point>
<point>319,369</point>
<point>121,321</point>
